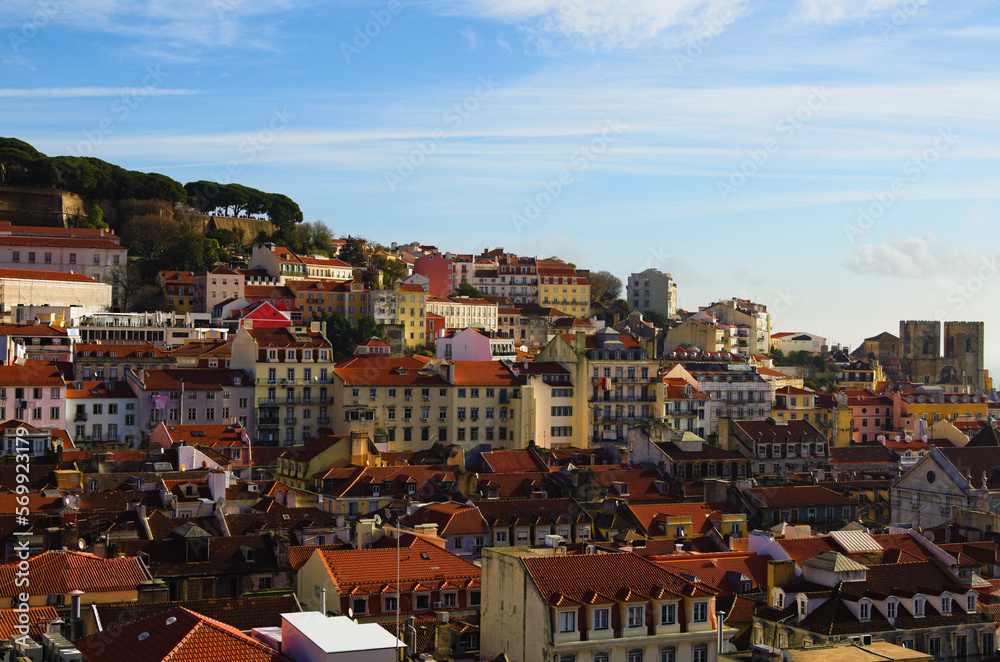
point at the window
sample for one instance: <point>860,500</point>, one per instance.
<point>391,602</point>
<point>636,616</point>
<point>918,606</point>
<point>668,654</point>
<point>934,646</point>
<point>945,604</point>
<point>635,655</point>
<point>601,657</point>
<point>700,653</point>
<point>700,612</point>
<point>601,619</point>
<point>668,614</point>
<point>987,648</point>
<point>360,605</point>
<point>450,600</point>
<point>865,610</point>
<point>423,602</point>
<point>970,603</point>
<point>890,609</point>
<point>567,621</point>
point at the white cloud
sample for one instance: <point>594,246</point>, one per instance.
<point>470,36</point>
<point>166,28</point>
<point>84,92</point>
<point>923,257</point>
<point>844,11</point>
<point>605,24</point>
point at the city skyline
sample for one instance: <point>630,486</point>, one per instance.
<point>830,159</point>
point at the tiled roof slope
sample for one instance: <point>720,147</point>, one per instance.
<point>178,635</point>
<point>61,572</point>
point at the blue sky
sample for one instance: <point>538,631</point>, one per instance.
<point>835,159</point>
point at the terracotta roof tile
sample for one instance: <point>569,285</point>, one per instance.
<point>62,572</point>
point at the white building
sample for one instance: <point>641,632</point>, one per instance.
<point>102,413</point>
<point>797,341</point>
<point>23,293</point>
<point>464,312</point>
<point>652,290</point>
<point>314,637</point>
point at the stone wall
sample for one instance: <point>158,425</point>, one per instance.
<point>29,205</point>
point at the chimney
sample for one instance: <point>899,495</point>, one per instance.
<point>779,573</point>
<point>442,637</point>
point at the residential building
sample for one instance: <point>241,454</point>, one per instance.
<point>462,527</point>
<point>474,345</point>
<point>438,270</point>
<point>919,605</point>
<point>817,506</point>
<point>545,604</point>
<point>562,286</point>
<point>20,438</point>
<point>827,412</point>
<point>878,415</point>
<point>316,299</point>
<point>702,334</point>
<point>682,406</point>
<point>215,286</point>
<point>282,298</point>
<point>178,288</point>
<point>100,413</point>
<point>111,361</point>
<point>162,329</point>
<point>33,392</point>
<point>798,341</point>
<point>736,388</point>
<point>525,522</point>
<point>193,396</point>
<point>364,580</point>
<point>623,390</point>
<point>777,446</point>
<point>291,368</point>
<point>28,293</point>
<point>753,315</point>
<point>411,314</point>
<point>464,312</point>
<point>51,576</point>
<point>42,342</point>
<point>64,250</point>
<point>296,466</point>
<point>231,440</point>
<point>653,291</point>
<point>282,263</point>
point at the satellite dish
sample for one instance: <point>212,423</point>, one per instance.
<point>378,521</point>
<point>81,545</point>
<point>350,612</point>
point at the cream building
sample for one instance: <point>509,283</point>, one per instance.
<point>652,290</point>
<point>544,604</point>
<point>463,312</point>
<point>292,369</point>
<point>23,291</point>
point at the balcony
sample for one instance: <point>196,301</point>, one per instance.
<point>98,439</point>
<point>282,381</point>
<point>268,421</point>
<point>323,420</point>
<point>290,420</point>
<point>80,416</point>
<point>295,400</point>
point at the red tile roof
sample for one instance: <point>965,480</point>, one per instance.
<point>195,379</point>
<point>31,330</point>
<point>32,373</point>
<point>32,274</point>
<point>37,619</point>
<point>718,570</point>
<point>652,515</point>
<point>220,435</point>
<point>60,242</point>
<point>798,496</point>
<point>123,351</point>
<point>373,571</point>
<point>581,579</point>
<point>62,572</point>
<point>94,389</point>
<point>177,635</point>
<point>483,373</point>
<point>513,461</point>
<point>383,371</point>
<point>452,519</point>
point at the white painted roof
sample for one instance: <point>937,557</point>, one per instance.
<point>340,634</point>
<point>855,541</point>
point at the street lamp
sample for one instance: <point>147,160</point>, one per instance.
<point>380,524</point>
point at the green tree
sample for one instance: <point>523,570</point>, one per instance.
<point>465,289</point>
<point>353,251</point>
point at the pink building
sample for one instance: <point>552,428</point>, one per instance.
<point>438,270</point>
<point>34,393</point>
<point>876,415</point>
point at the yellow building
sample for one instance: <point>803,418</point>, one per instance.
<point>931,407</point>
<point>292,368</point>
<point>411,313</point>
<point>834,419</point>
<point>178,288</point>
<point>860,375</point>
<point>561,287</point>
<point>317,298</point>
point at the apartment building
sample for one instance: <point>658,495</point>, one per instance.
<point>291,368</point>
<point>216,286</point>
<point>562,287</point>
<point>94,255</point>
<point>33,392</point>
<point>178,288</point>
<point>100,413</point>
<point>27,293</point>
<point>545,604</point>
<point>753,315</point>
<point>411,313</point>
<point>736,388</point>
<point>317,298</point>
<point>652,290</point>
<point>193,396</point>
<point>463,312</point>
<point>111,361</point>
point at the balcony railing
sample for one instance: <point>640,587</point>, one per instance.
<point>294,400</point>
<point>290,420</point>
<point>80,416</point>
<point>284,381</point>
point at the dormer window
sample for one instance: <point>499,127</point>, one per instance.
<point>864,610</point>
<point>779,600</point>
<point>970,602</point>
<point>946,604</point>
<point>890,609</point>
<point>918,606</point>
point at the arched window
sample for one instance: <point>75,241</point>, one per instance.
<point>668,654</point>
<point>700,653</point>
<point>602,656</point>
<point>927,346</point>
<point>635,655</point>
<point>968,344</point>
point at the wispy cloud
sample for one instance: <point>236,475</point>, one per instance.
<point>470,36</point>
<point>600,24</point>
<point>85,92</point>
<point>844,11</point>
